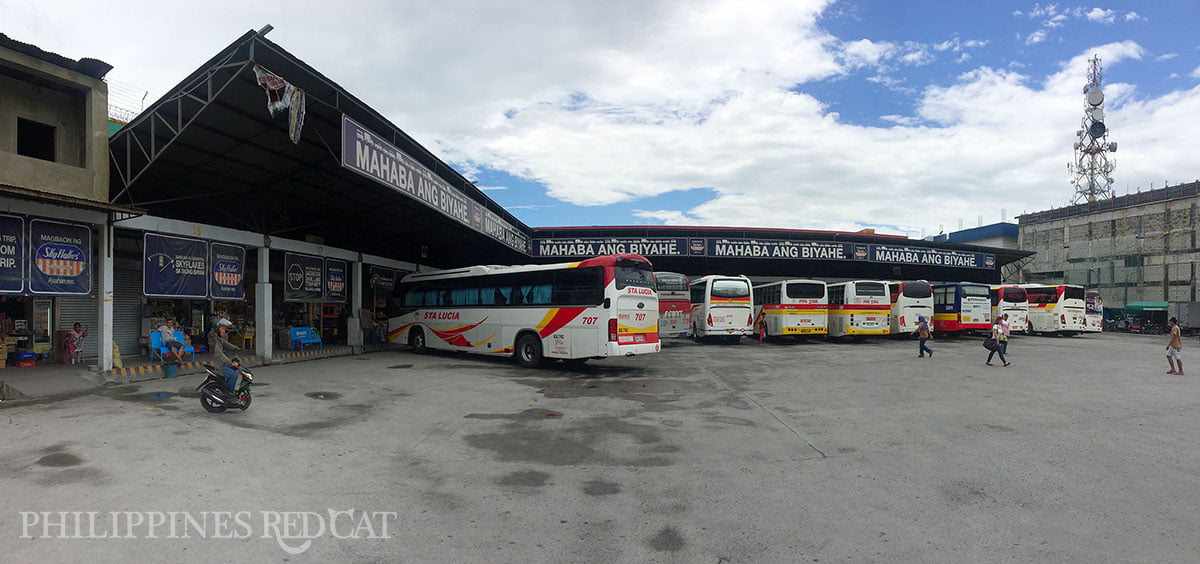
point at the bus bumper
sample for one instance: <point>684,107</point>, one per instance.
<point>613,349</point>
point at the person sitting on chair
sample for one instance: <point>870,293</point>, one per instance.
<point>74,342</point>
<point>168,339</point>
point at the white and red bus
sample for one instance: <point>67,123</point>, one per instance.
<point>1055,309</point>
<point>674,304</point>
<point>1011,300</point>
<point>1093,312</point>
<point>722,306</point>
<point>792,308</point>
<point>596,308</point>
<point>859,307</point>
<point>961,307</point>
<point>910,299</point>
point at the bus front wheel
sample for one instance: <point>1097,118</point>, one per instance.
<point>529,351</point>
<point>416,340</point>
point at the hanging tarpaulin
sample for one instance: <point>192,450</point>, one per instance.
<point>12,254</point>
<point>228,271</point>
<point>174,267</point>
<point>282,96</point>
<point>303,278</point>
<point>62,258</point>
<point>336,277</point>
<point>383,279</point>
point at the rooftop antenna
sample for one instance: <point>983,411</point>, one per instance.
<point>1091,171</point>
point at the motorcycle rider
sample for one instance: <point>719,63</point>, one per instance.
<point>232,372</point>
<point>219,343</point>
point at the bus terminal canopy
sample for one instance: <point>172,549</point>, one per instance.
<point>253,140</point>
<point>1138,307</point>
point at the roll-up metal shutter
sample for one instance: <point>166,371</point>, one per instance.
<point>84,310</point>
<point>127,310</point>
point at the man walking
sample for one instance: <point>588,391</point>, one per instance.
<point>1173,348</point>
<point>924,335</point>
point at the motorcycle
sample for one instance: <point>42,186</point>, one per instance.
<point>216,397</point>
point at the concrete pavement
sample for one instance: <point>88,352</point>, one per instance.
<point>1083,450</point>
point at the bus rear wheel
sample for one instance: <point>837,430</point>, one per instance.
<point>529,351</point>
<point>416,340</point>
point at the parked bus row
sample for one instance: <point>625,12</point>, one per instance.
<point>616,305</point>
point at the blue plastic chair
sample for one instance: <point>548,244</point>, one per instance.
<point>157,348</point>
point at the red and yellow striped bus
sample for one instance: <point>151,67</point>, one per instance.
<point>596,308</point>
<point>859,307</point>
<point>792,308</point>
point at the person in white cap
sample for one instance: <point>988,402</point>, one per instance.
<point>218,342</point>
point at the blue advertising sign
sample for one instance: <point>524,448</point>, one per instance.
<point>368,154</point>
<point>923,256</point>
<point>593,247</point>
<point>12,254</point>
<point>228,268</point>
<point>174,267</point>
<point>62,258</point>
<point>336,280</point>
<point>779,249</point>
<point>303,278</point>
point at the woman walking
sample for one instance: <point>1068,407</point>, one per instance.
<point>1000,336</point>
<point>924,335</point>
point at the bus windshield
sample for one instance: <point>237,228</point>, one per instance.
<point>918,289</point>
<point>670,282</point>
<point>870,289</point>
<point>800,290</point>
<point>975,291</point>
<point>1016,295</point>
<point>730,289</point>
<point>1072,293</point>
<point>628,275</point>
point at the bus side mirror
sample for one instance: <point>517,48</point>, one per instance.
<point>607,303</point>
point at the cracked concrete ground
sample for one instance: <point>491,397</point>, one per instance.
<point>1082,450</point>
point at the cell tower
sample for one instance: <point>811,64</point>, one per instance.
<point>1091,172</point>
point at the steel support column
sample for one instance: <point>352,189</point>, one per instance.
<point>264,337</point>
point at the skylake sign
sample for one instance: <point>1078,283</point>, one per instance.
<point>781,249</point>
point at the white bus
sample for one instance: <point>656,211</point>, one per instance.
<point>910,299</point>
<point>1093,312</point>
<point>1014,301</point>
<point>599,307</point>
<point>1055,309</point>
<point>859,307</point>
<point>721,305</point>
<point>792,308</point>
<point>674,304</point>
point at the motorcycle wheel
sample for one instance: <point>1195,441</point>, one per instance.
<point>245,400</point>
<point>209,405</point>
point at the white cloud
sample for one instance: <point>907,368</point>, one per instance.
<point>963,58</point>
<point>612,102</point>
<point>1036,37</point>
<point>1134,16</point>
<point>668,217</point>
<point>1056,21</point>
<point>492,188</point>
<point>1195,73</point>
<point>1165,57</point>
<point>1099,15</point>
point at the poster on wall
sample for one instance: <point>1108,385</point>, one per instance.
<point>336,277</point>
<point>174,267</point>
<point>62,258</point>
<point>228,271</point>
<point>12,254</point>
<point>303,278</point>
<point>383,279</point>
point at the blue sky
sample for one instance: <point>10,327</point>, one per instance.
<point>906,117</point>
